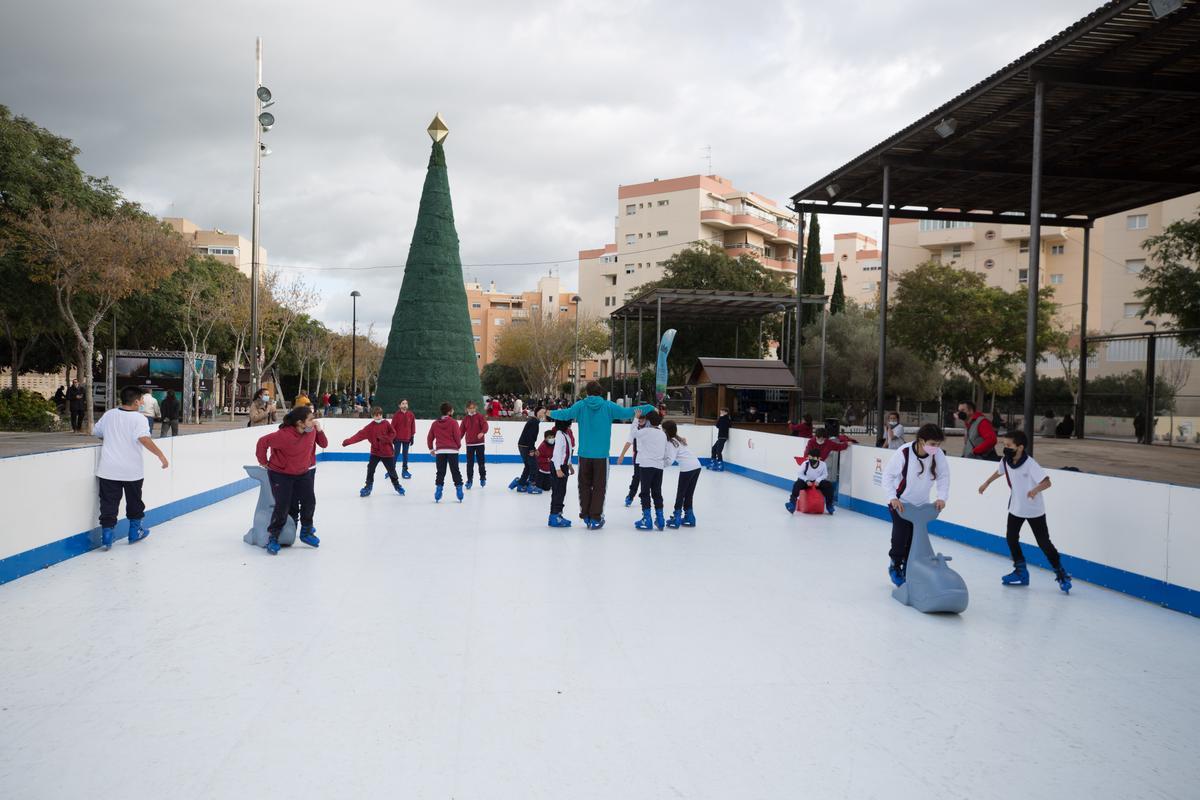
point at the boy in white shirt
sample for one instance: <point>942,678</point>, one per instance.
<point>560,468</point>
<point>814,474</point>
<point>124,434</point>
<point>1027,480</point>
<point>651,460</point>
<point>911,474</point>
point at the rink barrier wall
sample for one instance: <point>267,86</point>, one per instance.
<point>1135,537</point>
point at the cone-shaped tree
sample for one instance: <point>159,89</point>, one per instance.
<point>430,357</point>
<point>837,300</point>
<point>813,282</point>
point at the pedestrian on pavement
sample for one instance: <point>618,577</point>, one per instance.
<point>170,416</point>
<point>77,405</point>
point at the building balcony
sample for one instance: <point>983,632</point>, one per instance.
<point>716,218</point>
<point>937,239</point>
<point>1050,233</point>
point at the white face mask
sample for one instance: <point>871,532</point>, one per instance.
<point>266,398</point>
<point>470,413</point>
<point>377,419</point>
<point>550,440</point>
<point>932,450</point>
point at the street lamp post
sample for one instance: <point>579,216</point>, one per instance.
<point>1151,380</point>
<point>354,295</point>
<point>575,299</point>
<point>263,120</point>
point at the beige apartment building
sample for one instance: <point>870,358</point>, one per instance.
<point>657,219</point>
<point>492,311</point>
<point>229,248</point>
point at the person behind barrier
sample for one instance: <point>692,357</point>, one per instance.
<point>717,457</point>
<point>979,440</point>
<point>911,474</point>
<point>1026,481</point>
<point>893,432</point>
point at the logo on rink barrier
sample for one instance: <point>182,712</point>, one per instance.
<point>497,436</point>
<point>877,478</point>
<point>749,444</point>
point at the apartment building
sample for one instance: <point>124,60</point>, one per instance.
<point>657,219</point>
<point>229,248</point>
<point>492,311</point>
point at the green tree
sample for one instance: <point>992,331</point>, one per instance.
<point>541,346</point>
<point>705,266</point>
<point>837,301</point>
<point>813,281</point>
<point>498,378</point>
<point>951,316</point>
<point>1172,277</point>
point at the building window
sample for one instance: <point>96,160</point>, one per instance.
<point>478,356</point>
<point>1022,276</point>
<point>1056,278</point>
<point>989,263</point>
<point>662,233</point>
<point>990,235</point>
<point>630,210</point>
<point>640,236</point>
<point>1057,249</point>
<point>1137,222</point>
<point>1134,266</point>
<point>628,270</point>
<point>641,205</point>
<point>563,309</point>
<point>476,305</point>
<point>475,322</point>
<point>499,322</point>
<point>630,238</point>
<point>1132,309</point>
<point>476,338</point>
<point>941,225</point>
<point>1023,247</point>
<point>664,202</point>
<point>612,280</point>
<point>606,302</point>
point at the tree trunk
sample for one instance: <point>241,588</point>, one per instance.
<point>84,368</point>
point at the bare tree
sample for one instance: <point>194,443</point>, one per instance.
<point>1064,348</point>
<point>287,302</point>
<point>92,262</point>
<point>204,297</point>
<point>539,347</point>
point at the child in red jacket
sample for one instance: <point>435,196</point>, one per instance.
<point>404,426</point>
<point>545,453</point>
<point>290,457</point>
<point>444,441</point>
<point>380,434</point>
<point>474,428</point>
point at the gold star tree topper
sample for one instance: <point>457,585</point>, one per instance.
<point>437,129</point>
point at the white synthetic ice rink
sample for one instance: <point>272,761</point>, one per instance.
<point>468,651</point>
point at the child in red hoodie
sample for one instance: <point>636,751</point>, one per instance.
<point>444,441</point>
<point>380,434</point>
<point>474,428</point>
<point>291,469</point>
<point>404,426</point>
<point>545,453</point>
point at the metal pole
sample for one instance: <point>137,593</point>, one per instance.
<point>576,381</point>
<point>353,348</point>
<point>796,339</point>
<point>885,235</point>
<point>657,344</point>
<point>625,360</point>
<point>255,375</point>
<point>1151,347</point>
<point>737,347</point>
<point>1035,252</point>
<point>612,365</point>
<point>821,389</point>
<point>759,349</point>
<point>638,363</point>
<point>1080,412</point>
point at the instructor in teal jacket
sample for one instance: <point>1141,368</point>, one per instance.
<point>595,416</point>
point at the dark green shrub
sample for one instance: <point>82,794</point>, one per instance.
<point>26,411</point>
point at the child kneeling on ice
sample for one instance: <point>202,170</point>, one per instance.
<point>1027,480</point>
<point>689,475</point>
<point>292,471</point>
<point>560,463</point>
<point>380,434</point>
<point>445,440</point>
<point>813,475</point>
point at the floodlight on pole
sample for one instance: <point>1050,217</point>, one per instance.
<point>946,128</point>
<point>1160,8</point>
<point>832,190</point>
<point>266,119</point>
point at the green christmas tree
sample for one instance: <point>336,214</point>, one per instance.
<point>813,281</point>
<point>837,301</point>
<point>430,356</point>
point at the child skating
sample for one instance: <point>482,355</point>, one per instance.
<point>474,428</point>
<point>545,454</point>
<point>444,441</point>
<point>814,474</point>
<point>404,428</point>
<point>1027,480</point>
<point>527,447</point>
<point>560,466</point>
<point>911,474</point>
<point>123,436</point>
<point>651,459</point>
<point>289,455</point>
<point>689,475</point>
<point>381,436</point>
<point>716,460</point>
<point>638,423</point>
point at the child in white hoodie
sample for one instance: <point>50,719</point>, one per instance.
<point>689,474</point>
<point>651,460</point>
<point>911,474</point>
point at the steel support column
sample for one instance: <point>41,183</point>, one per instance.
<point>1080,407</point>
<point>1151,348</point>
<point>796,339</point>
<point>625,360</point>
<point>1035,253</point>
<point>886,222</point>
<point>638,362</point>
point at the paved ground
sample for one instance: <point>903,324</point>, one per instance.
<point>15,443</point>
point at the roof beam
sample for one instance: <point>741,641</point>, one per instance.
<point>1188,85</point>
<point>935,164</point>
<point>949,216</point>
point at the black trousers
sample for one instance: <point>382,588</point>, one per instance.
<point>402,446</point>
<point>389,466</point>
<point>1040,532</point>
<point>633,483</point>
<point>110,501</point>
<point>718,449</point>
<point>475,453</point>
<point>825,487</point>
<point>902,535</point>
<point>651,487</point>
<point>294,496</point>
<point>558,492</point>
<point>450,460</point>
<point>544,480</point>
<point>529,465</point>
<point>686,489</point>
<point>77,415</point>
<point>171,425</point>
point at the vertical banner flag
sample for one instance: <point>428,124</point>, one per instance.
<point>660,381</point>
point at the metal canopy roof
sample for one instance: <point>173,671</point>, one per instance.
<point>705,305</point>
<point>1121,122</point>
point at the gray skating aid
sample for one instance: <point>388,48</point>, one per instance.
<point>929,583</point>
<point>257,535</point>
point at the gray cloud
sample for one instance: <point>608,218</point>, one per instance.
<point>550,106</point>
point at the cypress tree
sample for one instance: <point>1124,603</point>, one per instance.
<point>430,356</point>
<point>813,282</point>
<point>837,301</point>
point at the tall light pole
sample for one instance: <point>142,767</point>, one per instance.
<point>575,299</point>
<point>263,120</point>
<point>354,295</point>
<point>1151,380</point>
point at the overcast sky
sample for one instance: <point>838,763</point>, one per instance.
<point>550,106</point>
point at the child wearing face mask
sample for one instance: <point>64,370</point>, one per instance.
<point>380,434</point>
<point>290,457</point>
<point>813,474</point>
<point>563,443</point>
<point>893,432</point>
<point>404,427</point>
<point>1027,480</point>
<point>545,452</point>
<point>914,471</point>
<point>474,429</point>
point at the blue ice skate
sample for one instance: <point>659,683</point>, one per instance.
<point>515,483</point>
<point>406,475</point>
<point>596,524</point>
<point>689,519</point>
<point>399,489</point>
<point>645,523</point>
<point>106,538</point>
<point>365,491</point>
<point>482,482</point>
<point>790,506</point>
<point>1018,577</point>
<point>558,521</point>
<point>535,489</point>
<point>136,531</point>
<point>896,573</point>
<point>658,519</point>
<point>309,537</point>
<point>628,500</point>
<point>273,546</point>
<point>437,495</point>
<point>470,484</point>
<point>674,520</point>
<point>1064,580</point>
<point>458,491</point>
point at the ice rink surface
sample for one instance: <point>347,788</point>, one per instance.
<point>468,651</point>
